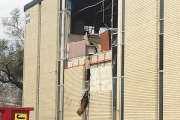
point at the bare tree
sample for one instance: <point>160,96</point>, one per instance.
<point>12,50</point>
<point>14,26</point>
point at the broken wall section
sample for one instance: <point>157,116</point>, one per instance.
<point>100,103</point>
<point>100,107</point>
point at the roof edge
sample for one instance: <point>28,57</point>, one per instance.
<point>31,4</point>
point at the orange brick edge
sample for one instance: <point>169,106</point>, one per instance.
<point>92,63</point>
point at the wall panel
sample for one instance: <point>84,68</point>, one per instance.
<point>30,60</point>
<point>141,75</point>
<point>48,59</point>
<point>171,60</point>
<point>73,91</point>
<point>100,107</point>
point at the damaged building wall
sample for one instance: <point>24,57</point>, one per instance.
<point>100,86</point>
<point>101,76</point>
<point>140,83</point>
<point>100,107</point>
<point>41,41</point>
<point>96,13</point>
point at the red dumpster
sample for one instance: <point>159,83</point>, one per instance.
<point>15,113</point>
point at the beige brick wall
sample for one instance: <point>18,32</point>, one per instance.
<point>30,60</point>
<point>141,62</point>
<point>73,91</point>
<point>172,61</point>
<point>48,58</point>
<point>141,76</point>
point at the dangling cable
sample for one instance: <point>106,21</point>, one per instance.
<point>103,10</point>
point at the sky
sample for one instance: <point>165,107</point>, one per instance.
<point>6,6</point>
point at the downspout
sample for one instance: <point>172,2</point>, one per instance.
<point>38,63</point>
<point>61,57</point>
<point>161,59</point>
<point>122,61</point>
<point>114,78</point>
<point>58,111</point>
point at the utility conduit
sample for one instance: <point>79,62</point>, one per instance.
<point>161,58</point>
<point>122,60</point>
<point>38,64</point>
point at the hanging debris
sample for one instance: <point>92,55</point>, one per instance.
<point>84,103</point>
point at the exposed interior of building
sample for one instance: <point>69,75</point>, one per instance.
<point>85,36</point>
<point>96,13</point>
<point>82,84</point>
<point>93,31</point>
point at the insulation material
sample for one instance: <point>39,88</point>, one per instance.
<point>141,62</point>
<point>172,60</point>
<point>100,107</point>
<point>73,90</point>
<point>77,49</point>
<point>30,60</point>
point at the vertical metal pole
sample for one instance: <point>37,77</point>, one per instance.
<point>38,63</point>
<point>58,110</point>
<point>161,59</point>
<point>122,60</point>
<point>62,60</point>
<point>113,80</point>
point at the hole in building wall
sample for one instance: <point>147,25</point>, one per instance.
<point>91,32</point>
<point>91,15</point>
<point>91,26</point>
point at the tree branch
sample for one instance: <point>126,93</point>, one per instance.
<point>11,79</point>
